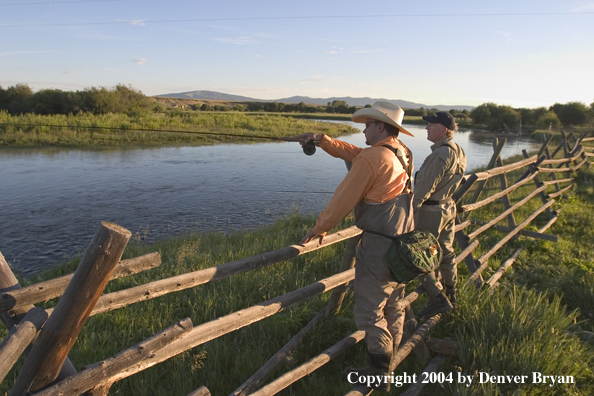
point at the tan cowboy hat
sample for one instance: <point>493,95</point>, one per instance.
<point>384,112</point>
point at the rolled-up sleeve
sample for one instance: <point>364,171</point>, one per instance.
<point>348,194</point>
<point>339,149</point>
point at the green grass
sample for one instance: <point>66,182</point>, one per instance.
<point>538,320</point>
<point>123,134</point>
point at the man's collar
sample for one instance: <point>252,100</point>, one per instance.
<point>387,140</point>
<point>440,143</point>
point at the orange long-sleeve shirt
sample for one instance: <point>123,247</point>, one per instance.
<point>375,177</point>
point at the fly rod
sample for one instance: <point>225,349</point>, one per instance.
<point>309,148</point>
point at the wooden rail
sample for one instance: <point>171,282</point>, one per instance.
<point>44,291</point>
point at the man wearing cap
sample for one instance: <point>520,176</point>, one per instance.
<point>434,208</point>
<point>377,187</point>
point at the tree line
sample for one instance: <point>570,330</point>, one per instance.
<point>499,118</point>
<point>21,99</point>
<point>334,107</point>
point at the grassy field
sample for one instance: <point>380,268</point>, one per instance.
<point>538,320</point>
<point>12,134</point>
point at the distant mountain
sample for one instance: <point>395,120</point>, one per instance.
<point>211,95</point>
<point>365,101</point>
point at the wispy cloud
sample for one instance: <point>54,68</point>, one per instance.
<point>243,40</point>
<point>139,61</point>
<point>319,79</point>
<point>340,50</point>
<point>253,56</point>
<point>137,22</point>
<point>335,50</point>
<point>366,51</point>
<point>25,52</point>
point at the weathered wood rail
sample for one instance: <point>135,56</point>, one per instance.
<point>46,336</point>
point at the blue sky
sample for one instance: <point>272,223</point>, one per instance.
<point>520,53</point>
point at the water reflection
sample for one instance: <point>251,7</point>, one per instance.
<point>53,199</point>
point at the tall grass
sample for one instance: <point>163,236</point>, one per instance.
<point>76,130</point>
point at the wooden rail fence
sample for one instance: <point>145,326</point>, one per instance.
<point>46,336</point>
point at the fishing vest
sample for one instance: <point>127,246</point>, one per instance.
<point>450,180</point>
<point>394,216</point>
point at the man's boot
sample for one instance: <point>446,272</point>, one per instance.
<point>379,364</point>
<point>439,304</point>
<point>450,292</point>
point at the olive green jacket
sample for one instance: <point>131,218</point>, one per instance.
<point>440,174</point>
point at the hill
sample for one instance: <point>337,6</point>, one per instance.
<point>212,95</point>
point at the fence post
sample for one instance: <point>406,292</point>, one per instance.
<point>511,221</point>
<point>65,323</point>
<point>546,151</point>
<point>8,282</point>
<point>538,184</point>
<point>469,260</point>
<point>496,153</point>
<point>566,150</point>
<point>460,235</point>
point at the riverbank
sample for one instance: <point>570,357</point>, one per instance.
<point>538,320</point>
<point>120,130</point>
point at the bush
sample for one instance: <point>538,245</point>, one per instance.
<point>572,113</point>
<point>496,117</point>
<point>548,120</point>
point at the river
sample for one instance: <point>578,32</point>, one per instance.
<point>52,200</point>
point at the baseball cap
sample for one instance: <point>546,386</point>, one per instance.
<point>442,117</point>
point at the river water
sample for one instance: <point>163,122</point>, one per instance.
<point>52,200</point>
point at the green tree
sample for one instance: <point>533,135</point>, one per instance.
<point>548,120</point>
<point>18,98</point>
<point>3,99</point>
<point>572,113</point>
<point>505,118</point>
<point>52,101</point>
<point>271,107</point>
<point>254,106</point>
<point>482,114</point>
<point>531,116</point>
<point>416,112</point>
<point>337,103</point>
<point>496,117</point>
<point>301,107</point>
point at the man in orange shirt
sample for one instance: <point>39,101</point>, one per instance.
<point>378,189</point>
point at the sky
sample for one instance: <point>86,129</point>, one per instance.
<point>519,53</point>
